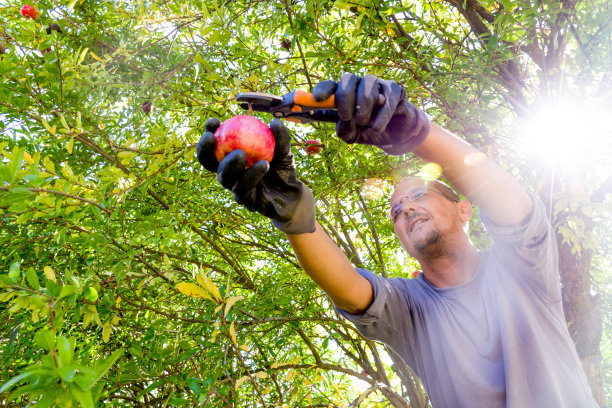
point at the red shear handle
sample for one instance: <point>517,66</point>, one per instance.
<point>306,99</point>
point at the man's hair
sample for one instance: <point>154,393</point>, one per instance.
<point>441,187</point>
<point>446,190</point>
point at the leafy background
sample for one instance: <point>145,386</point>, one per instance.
<point>105,214</point>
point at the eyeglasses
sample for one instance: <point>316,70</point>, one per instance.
<point>413,195</point>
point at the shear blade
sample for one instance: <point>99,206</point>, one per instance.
<point>259,101</point>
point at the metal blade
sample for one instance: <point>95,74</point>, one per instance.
<point>258,101</point>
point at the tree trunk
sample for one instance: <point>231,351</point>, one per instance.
<point>581,306</point>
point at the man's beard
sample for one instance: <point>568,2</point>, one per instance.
<point>430,246</point>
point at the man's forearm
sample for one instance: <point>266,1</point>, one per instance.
<point>475,175</point>
<point>329,268</point>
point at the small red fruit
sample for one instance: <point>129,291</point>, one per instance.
<point>312,147</point>
<point>29,11</point>
<point>248,134</point>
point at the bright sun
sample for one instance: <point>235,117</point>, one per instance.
<point>566,136</point>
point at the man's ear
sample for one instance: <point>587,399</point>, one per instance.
<point>465,211</point>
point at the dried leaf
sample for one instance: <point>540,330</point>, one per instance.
<point>292,362</point>
<point>49,128</point>
<point>362,397</point>
<point>64,123</point>
<point>232,331</point>
<point>106,332</point>
<point>193,290</point>
<point>241,380</point>
<point>230,302</point>
<point>81,57</point>
<point>261,374</point>
<point>209,286</point>
<point>49,273</point>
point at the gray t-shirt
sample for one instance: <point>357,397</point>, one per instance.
<point>499,340</point>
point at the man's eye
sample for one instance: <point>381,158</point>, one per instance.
<point>396,209</point>
<point>418,193</point>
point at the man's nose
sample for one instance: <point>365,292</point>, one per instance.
<point>407,210</point>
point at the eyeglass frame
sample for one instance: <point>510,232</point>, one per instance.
<point>398,206</point>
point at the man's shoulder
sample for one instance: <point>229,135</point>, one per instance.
<point>394,280</point>
<point>412,288</point>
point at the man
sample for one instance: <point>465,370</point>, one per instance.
<point>481,329</point>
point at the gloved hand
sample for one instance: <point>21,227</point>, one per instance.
<point>270,189</point>
<point>397,126</point>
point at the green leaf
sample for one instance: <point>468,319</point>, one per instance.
<point>67,290</point>
<point>32,278</point>
<point>198,58</point>
<point>65,349</point>
<point>49,165</point>
<point>7,385</point>
<point>14,271</point>
<point>16,195</point>
<point>83,396</point>
<point>67,373</point>
<point>102,366</point>
<point>52,288</point>
<point>106,332</point>
<point>16,162</point>
<point>47,399</point>
<point>45,338</point>
<point>97,213</point>
<point>6,175</point>
<point>90,294</point>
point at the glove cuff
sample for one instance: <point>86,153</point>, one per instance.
<point>410,138</point>
<point>303,219</point>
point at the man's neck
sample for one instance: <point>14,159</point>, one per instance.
<point>451,268</point>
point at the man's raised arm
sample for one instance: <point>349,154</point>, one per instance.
<point>377,112</point>
<point>330,268</point>
<point>480,179</point>
<point>273,190</point>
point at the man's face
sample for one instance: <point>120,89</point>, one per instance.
<point>424,218</point>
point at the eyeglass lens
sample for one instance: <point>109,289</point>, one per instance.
<point>413,195</point>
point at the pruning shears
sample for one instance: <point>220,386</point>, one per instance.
<point>297,106</point>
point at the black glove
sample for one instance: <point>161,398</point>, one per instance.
<point>271,189</point>
<point>396,126</point>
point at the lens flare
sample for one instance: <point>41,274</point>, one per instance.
<point>374,188</point>
<point>566,136</point>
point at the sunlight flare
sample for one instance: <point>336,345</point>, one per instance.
<point>565,135</point>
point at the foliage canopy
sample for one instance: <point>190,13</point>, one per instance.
<point>130,278</point>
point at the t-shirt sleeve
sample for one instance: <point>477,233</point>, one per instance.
<point>529,251</point>
<point>388,318</point>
